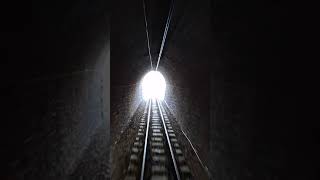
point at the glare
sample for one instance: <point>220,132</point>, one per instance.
<point>153,86</point>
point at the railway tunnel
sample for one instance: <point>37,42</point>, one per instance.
<point>74,103</point>
<point>229,86</point>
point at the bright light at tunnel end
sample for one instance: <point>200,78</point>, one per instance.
<point>153,86</point>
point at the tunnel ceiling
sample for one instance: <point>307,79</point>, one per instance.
<point>185,41</point>
<point>236,39</point>
<point>55,37</point>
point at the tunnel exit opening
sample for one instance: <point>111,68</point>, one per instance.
<point>153,86</point>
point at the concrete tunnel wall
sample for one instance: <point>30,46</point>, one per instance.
<point>57,92</point>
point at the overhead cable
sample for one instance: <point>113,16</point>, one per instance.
<point>165,32</point>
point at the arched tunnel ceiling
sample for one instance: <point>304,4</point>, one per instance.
<point>186,50</point>
<point>236,38</point>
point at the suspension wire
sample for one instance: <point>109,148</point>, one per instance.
<point>165,32</point>
<point>147,31</point>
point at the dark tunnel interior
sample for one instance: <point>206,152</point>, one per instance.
<point>56,90</point>
<point>71,77</point>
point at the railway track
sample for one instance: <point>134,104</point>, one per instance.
<point>155,153</point>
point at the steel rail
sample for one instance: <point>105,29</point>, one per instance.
<point>194,150</point>
<point>145,144</point>
<point>169,143</point>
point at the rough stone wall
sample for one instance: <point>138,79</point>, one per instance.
<point>191,111</point>
<point>124,102</point>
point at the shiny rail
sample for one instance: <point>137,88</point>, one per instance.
<point>169,143</point>
<point>145,143</point>
<point>156,153</point>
